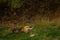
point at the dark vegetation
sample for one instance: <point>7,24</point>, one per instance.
<point>28,10</point>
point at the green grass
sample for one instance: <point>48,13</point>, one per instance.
<point>41,31</point>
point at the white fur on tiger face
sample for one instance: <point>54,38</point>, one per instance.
<point>26,29</point>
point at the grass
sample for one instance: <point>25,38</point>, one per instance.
<point>41,31</point>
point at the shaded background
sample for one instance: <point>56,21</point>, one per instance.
<point>28,11</point>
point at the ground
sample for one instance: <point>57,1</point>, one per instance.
<point>42,31</point>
